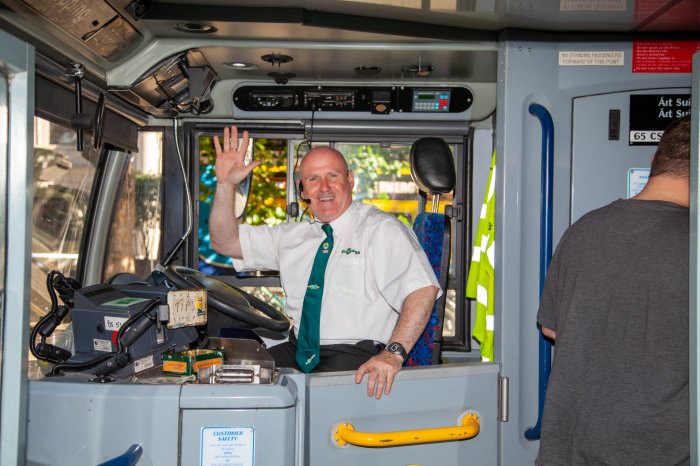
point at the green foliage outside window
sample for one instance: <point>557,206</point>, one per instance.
<point>267,198</point>
<point>369,163</point>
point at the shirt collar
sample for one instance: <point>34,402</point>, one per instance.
<point>339,223</point>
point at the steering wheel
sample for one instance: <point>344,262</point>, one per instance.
<point>98,122</point>
<point>244,309</point>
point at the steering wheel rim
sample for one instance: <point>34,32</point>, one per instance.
<point>98,122</point>
<point>230,300</point>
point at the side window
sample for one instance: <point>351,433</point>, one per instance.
<point>267,201</point>
<point>267,198</point>
<point>63,180</point>
<point>383,178</point>
<point>134,239</point>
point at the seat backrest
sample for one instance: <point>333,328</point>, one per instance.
<point>432,169</point>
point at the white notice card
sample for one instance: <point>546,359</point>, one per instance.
<point>636,180</point>
<point>228,446</point>
<point>187,307</point>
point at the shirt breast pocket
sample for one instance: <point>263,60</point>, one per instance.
<point>347,277</point>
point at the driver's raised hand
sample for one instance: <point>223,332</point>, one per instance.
<point>230,161</point>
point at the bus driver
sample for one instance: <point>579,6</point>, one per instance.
<point>359,287</point>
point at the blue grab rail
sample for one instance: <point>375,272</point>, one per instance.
<point>545,347</point>
<point>129,458</point>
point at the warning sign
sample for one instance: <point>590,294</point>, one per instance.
<point>591,58</point>
<point>592,5</point>
<point>674,56</point>
<point>650,114</point>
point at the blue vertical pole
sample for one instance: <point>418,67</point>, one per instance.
<point>545,347</point>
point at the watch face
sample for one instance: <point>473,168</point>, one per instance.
<point>396,348</point>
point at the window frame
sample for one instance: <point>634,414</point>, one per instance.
<point>460,223</point>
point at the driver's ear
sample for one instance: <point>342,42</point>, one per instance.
<point>351,179</point>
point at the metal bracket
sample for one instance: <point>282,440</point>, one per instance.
<point>503,394</point>
<point>138,8</point>
<point>293,209</point>
<point>454,211</point>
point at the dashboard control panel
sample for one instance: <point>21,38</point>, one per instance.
<point>367,99</point>
<point>431,100</point>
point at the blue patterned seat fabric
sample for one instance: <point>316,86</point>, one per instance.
<point>430,230</point>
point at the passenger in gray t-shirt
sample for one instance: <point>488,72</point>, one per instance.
<point>616,304</point>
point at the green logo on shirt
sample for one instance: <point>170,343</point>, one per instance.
<point>350,251</point>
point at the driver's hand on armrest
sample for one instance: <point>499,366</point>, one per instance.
<point>381,370</point>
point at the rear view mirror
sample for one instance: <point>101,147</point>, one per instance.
<point>242,194</point>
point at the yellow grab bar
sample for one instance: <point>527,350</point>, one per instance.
<point>344,434</point>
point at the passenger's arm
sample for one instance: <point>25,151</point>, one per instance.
<point>414,316</point>
<point>549,333</point>
<point>230,171</point>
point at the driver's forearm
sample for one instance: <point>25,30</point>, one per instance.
<point>414,316</point>
<point>223,225</point>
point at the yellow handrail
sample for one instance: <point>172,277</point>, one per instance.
<point>345,434</point>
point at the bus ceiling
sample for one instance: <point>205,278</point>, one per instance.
<point>270,57</point>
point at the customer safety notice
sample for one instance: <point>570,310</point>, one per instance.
<point>227,446</point>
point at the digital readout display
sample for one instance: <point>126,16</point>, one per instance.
<point>431,101</point>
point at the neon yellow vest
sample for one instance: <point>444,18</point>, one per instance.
<point>480,283</point>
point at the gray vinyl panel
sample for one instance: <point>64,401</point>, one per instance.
<point>17,110</point>
<point>529,72</point>
<point>262,412</point>
<point>694,323</point>
<point>80,422</point>
<point>271,438</point>
<point>600,167</point>
<point>421,398</point>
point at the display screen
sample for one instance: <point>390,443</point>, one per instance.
<point>431,101</point>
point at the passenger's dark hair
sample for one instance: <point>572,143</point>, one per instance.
<point>673,152</point>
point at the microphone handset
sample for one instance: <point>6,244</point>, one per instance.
<point>301,190</point>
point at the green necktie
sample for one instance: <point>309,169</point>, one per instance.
<point>309,340</point>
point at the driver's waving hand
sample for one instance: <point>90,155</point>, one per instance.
<point>359,286</point>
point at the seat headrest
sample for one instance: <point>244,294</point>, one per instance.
<point>432,166</point>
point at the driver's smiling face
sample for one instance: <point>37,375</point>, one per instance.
<point>327,183</point>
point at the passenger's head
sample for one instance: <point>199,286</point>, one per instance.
<point>672,155</point>
<point>326,182</point>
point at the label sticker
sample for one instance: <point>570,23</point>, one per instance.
<point>636,180</point>
<point>187,308</point>
<point>592,5</point>
<point>591,58</point>
<point>102,345</point>
<point>650,114</point>
<point>125,302</point>
<point>232,446</point>
<point>143,363</point>
<point>113,324</point>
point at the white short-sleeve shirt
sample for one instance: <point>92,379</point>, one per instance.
<point>375,264</point>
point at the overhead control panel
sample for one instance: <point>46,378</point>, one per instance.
<point>352,102</point>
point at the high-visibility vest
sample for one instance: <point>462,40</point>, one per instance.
<point>481,279</point>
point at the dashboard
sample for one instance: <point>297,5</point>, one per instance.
<point>356,100</point>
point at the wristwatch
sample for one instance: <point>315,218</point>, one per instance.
<point>396,348</point>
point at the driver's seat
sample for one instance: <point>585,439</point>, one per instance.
<point>433,170</point>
